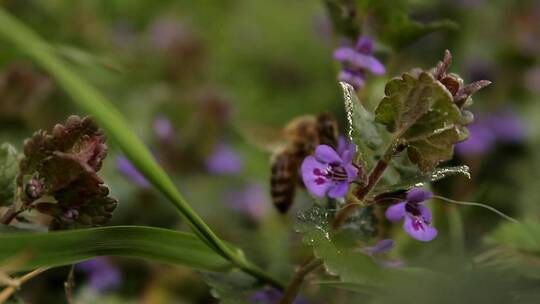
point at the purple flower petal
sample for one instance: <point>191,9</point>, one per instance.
<point>312,176</point>
<point>425,213</point>
<point>418,195</point>
<point>327,154</point>
<point>507,126</point>
<point>339,190</point>
<point>355,79</point>
<point>364,45</point>
<point>163,128</point>
<point>250,200</point>
<point>224,160</point>
<point>102,274</point>
<point>352,172</point>
<point>382,246</point>
<point>481,140</point>
<point>396,212</point>
<point>418,229</point>
<point>128,169</point>
<point>359,61</point>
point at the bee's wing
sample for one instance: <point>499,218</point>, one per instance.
<point>266,138</point>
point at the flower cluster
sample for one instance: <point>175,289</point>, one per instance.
<point>330,172</point>
<point>417,216</point>
<point>357,61</point>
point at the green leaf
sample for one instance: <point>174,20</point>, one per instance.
<point>420,112</point>
<point>50,249</point>
<point>362,128</point>
<point>344,17</point>
<point>340,257</point>
<point>400,31</point>
<point>523,236</point>
<point>419,180</point>
<point>9,168</point>
<point>368,290</point>
<point>394,26</point>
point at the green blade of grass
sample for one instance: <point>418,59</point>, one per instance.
<point>49,249</point>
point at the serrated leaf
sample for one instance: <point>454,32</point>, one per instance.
<point>420,113</point>
<point>421,179</point>
<point>9,168</point>
<point>50,249</point>
<point>340,258</point>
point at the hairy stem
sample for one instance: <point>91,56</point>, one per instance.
<point>292,289</point>
<point>361,193</point>
<point>8,291</point>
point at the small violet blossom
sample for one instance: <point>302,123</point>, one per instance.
<point>102,274</point>
<point>163,128</point>
<point>128,170</point>
<point>224,161</point>
<point>502,126</point>
<point>382,247</point>
<point>417,216</point>
<point>272,296</point>
<point>357,61</point>
<point>329,172</point>
<point>250,200</point>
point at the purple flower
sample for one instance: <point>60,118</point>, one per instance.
<point>251,200</point>
<point>102,274</point>
<point>357,61</point>
<point>417,216</point>
<point>329,172</point>
<point>383,246</point>
<point>164,33</point>
<point>272,296</point>
<point>501,126</point>
<point>224,160</point>
<point>128,170</point>
<point>163,128</point>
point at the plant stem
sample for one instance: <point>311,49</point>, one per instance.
<point>292,289</point>
<point>8,291</point>
<point>361,193</point>
<point>10,214</point>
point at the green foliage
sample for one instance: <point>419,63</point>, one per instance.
<point>394,25</point>
<point>420,112</point>
<point>49,249</point>
<point>343,14</point>
<point>341,257</point>
<point>9,168</point>
<point>523,236</point>
<point>421,179</point>
<point>231,288</point>
<point>362,128</point>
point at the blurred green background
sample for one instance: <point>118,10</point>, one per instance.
<point>223,71</point>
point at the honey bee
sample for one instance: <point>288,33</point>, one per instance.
<point>302,135</point>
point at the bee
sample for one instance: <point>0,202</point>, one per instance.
<point>302,136</point>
